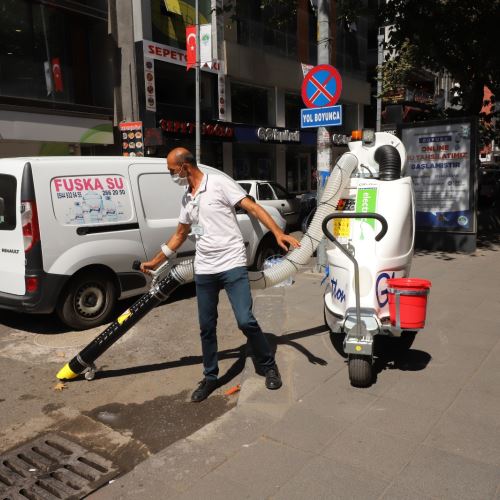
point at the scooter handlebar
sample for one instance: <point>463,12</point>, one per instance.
<point>350,215</point>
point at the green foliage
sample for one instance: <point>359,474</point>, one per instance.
<point>396,71</point>
<point>453,35</point>
<point>456,36</point>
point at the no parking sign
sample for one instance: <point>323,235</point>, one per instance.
<point>321,86</point>
<point>321,89</point>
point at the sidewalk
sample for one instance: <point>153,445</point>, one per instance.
<point>427,428</point>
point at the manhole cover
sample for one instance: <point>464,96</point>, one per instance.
<point>51,467</point>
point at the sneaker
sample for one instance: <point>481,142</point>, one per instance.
<point>273,378</point>
<point>205,388</point>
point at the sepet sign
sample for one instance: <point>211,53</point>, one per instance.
<point>188,128</point>
<point>166,53</point>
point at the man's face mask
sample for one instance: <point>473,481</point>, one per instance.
<point>181,181</point>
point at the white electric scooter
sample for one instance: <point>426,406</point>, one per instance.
<point>371,238</point>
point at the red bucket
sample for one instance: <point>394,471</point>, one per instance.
<point>408,302</point>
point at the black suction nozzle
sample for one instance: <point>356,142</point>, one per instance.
<point>389,161</point>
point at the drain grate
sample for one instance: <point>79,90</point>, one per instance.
<point>50,468</point>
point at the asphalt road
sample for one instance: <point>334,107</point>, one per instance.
<point>138,402</point>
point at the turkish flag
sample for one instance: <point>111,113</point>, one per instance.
<point>57,74</point>
<point>190,46</point>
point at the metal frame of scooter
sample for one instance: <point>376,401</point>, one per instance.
<point>358,340</point>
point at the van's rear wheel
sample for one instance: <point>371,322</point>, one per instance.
<point>87,301</point>
<point>268,248</point>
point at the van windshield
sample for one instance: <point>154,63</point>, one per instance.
<point>8,185</point>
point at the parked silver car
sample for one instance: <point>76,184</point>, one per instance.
<point>272,194</point>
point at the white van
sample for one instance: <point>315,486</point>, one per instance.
<point>71,227</point>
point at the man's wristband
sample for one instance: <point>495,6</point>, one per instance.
<point>168,252</point>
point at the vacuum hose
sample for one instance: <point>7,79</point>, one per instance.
<point>389,162</point>
<point>184,273</point>
<point>339,178</point>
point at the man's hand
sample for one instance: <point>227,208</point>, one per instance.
<point>148,266</point>
<point>260,213</point>
<point>284,239</point>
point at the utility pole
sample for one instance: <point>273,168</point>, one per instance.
<point>324,142</point>
<point>126,100</point>
<point>197,85</point>
<point>380,60</point>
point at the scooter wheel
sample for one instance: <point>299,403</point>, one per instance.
<point>360,370</point>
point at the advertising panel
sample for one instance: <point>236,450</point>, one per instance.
<point>132,138</point>
<point>91,199</point>
<point>441,163</point>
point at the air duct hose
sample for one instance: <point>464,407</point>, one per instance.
<point>389,162</point>
<point>184,272</point>
<point>290,264</point>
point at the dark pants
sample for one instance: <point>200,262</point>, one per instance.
<point>235,282</point>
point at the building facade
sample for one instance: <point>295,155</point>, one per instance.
<point>250,98</point>
<point>55,82</point>
<point>66,85</point>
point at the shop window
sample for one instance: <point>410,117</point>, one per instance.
<point>169,19</point>
<point>251,104</point>
<point>293,105</point>
<point>175,92</point>
<point>299,177</point>
<point>52,54</point>
<point>254,162</point>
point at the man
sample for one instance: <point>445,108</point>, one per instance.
<point>208,212</point>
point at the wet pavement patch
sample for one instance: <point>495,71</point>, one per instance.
<point>52,467</point>
<point>50,407</point>
<point>162,421</point>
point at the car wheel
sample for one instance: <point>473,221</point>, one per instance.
<point>307,220</point>
<point>267,249</point>
<point>87,301</point>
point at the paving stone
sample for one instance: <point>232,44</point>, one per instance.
<point>399,418</point>
<point>454,362</point>
<point>469,436</point>
<point>330,479</point>
<point>268,309</point>
<point>218,487</point>
<point>382,455</point>
<point>428,390</point>
<point>397,492</point>
<point>445,475</point>
<point>234,430</point>
<point>301,428</point>
<point>313,364</point>
<point>265,466</point>
<point>337,400</point>
<point>167,473</point>
<point>477,404</point>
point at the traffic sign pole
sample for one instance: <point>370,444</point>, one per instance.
<point>324,147</point>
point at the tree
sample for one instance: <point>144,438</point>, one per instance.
<point>456,36</point>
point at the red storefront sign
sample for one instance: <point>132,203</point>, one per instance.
<point>221,130</point>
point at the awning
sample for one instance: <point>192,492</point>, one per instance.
<point>20,126</point>
<point>173,6</point>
